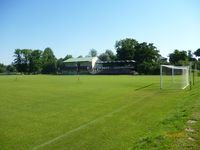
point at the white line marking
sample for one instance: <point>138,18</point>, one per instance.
<point>84,125</point>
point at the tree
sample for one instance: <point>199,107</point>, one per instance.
<point>126,48</point>
<point>147,58</point>
<point>18,60</point>
<point>60,65</point>
<point>10,68</point>
<point>107,56</point>
<point>26,60</point>
<point>178,57</point>
<point>104,57</point>
<point>80,56</point>
<point>22,60</point>
<point>197,53</point>
<point>48,61</point>
<point>163,60</point>
<point>146,52</point>
<point>2,68</point>
<point>67,57</point>
<point>190,56</point>
<point>93,53</point>
<point>111,55</point>
<point>36,61</point>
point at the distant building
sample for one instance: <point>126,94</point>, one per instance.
<point>91,65</point>
<point>83,65</point>
<point>115,67</point>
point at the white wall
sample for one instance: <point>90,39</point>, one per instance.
<point>94,60</point>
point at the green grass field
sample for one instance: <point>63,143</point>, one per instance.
<point>93,113</point>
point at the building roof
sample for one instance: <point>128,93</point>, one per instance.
<point>118,61</point>
<point>83,59</point>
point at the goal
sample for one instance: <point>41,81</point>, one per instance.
<point>174,77</point>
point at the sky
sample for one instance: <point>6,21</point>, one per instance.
<point>76,26</point>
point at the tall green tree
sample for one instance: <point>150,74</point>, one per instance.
<point>22,60</point>
<point>67,57</point>
<point>48,61</point>
<point>178,57</point>
<point>18,60</point>
<point>36,61</point>
<point>104,57</point>
<point>197,53</point>
<point>190,56</point>
<point>10,68</point>
<point>111,55</point>
<point>107,56</point>
<point>80,56</point>
<point>93,53</point>
<point>2,68</point>
<point>26,60</point>
<point>60,65</point>
<point>126,48</point>
<point>147,58</point>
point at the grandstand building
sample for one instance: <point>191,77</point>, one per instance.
<point>80,65</point>
<point>115,67</point>
<point>91,65</point>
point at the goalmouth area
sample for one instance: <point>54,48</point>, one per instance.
<point>94,112</point>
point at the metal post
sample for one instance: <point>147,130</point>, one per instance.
<point>78,69</point>
<point>161,77</point>
<point>194,72</point>
<point>172,78</point>
<point>190,74</point>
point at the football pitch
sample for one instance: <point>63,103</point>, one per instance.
<point>92,113</point>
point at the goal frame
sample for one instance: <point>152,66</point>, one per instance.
<point>187,68</point>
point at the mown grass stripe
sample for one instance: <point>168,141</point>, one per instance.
<point>86,124</point>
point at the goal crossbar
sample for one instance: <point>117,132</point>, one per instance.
<point>175,67</point>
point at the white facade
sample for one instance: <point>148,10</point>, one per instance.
<point>94,60</point>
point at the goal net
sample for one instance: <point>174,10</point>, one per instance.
<point>174,77</point>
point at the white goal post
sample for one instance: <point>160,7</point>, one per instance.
<point>174,77</point>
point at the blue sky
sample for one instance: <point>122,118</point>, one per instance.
<point>76,26</point>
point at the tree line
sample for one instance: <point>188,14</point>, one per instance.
<point>146,55</point>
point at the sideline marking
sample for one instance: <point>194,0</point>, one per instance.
<point>85,125</point>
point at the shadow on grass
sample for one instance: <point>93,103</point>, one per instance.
<point>143,87</point>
